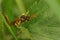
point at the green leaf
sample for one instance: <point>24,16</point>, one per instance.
<point>2,27</point>
<point>7,10</point>
<point>46,24</point>
<point>2,35</point>
<point>55,7</point>
<point>20,6</point>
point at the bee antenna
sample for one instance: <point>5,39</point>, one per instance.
<point>26,13</point>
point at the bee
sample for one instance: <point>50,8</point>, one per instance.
<point>23,18</point>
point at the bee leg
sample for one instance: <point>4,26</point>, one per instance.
<point>7,20</point>
<point>32,16</point>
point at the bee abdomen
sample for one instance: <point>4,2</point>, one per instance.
<point>17,22</point>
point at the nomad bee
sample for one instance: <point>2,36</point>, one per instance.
<point>22,18</point>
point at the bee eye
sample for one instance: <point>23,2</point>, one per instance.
<point>27,18</point>
<point>23,17</point>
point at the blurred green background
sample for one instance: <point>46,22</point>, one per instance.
<point>45,26</point>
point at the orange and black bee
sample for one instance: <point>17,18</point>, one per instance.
<point>23,18</point>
